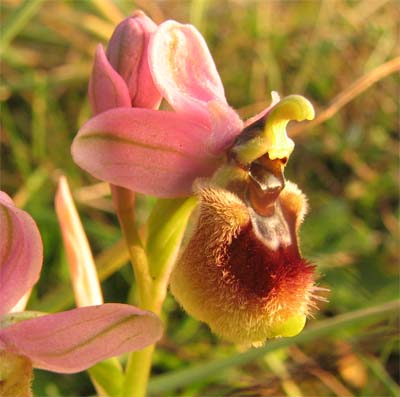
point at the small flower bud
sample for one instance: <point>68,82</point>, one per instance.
<point>127,53</point>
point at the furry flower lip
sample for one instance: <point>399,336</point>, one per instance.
<point>242,272</point>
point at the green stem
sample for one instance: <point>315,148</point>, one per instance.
<point>138,369</point>
<point>152,263</point>
<point>151,293</point>
<point>124,204</point>
<point>137,373</point>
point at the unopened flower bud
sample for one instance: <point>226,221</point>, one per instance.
<point>121,77</point>
<point>127,53</point>
<point>241,271</point>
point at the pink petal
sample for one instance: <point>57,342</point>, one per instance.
<point>147,151</point>
<point>21,253</point>
<point>127,52</point>
<point>80,259</point>
<point>74,340</point>
<point>184,71</point>
<point>5,199</point>
<point>107,89</point>
<point>226,126</point>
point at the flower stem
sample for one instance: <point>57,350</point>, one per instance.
<point>152,262</point>
<point>151,294</point>
<point>137,373</point>
<point>138,369</point>
<point>124,204</point>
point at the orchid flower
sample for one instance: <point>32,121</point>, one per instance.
<point>241,271</point>
<point>66,342</point>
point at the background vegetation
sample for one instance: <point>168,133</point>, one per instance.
<point>337,54</point>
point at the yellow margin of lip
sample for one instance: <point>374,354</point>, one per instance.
<point>291,327</point>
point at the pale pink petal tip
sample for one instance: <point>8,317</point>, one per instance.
<point>21,253</point>
<point>152,152</point>
<point>184,71</point>
<point>83,271</point>
<point>75,340</point>
<point>107,89</point>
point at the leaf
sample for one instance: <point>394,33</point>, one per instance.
<point>107,377</point>
<point>167,225</point>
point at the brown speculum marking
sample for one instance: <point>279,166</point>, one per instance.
<point>262,272</point>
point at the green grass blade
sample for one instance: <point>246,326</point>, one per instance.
<point>107,377</point>
<point>17,21</point>
<point>33,183</point>
<point>18,146</point>
<point>380,373</point>
<point>39,118</point>
<point>198,10</point>
<point>187,376</point>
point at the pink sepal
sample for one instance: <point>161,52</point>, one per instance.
<point>74,340</point>
<point>21,253</point>
<point>226,125</point>
<point>153,152</point>
<point>184,71</point>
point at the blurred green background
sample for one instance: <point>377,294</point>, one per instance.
<point>346,163</point>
